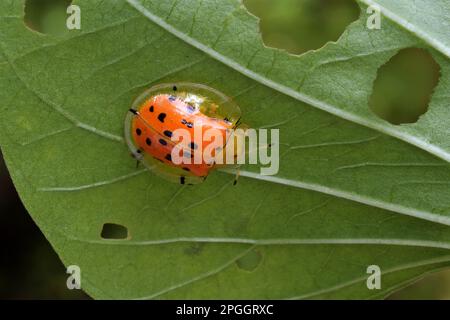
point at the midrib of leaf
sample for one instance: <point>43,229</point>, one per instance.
<point>389,130</point>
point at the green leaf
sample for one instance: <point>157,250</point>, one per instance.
<point>352,190</point>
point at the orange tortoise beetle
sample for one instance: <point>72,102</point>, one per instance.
<point>159,111</point>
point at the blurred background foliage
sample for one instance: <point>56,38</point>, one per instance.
<point>30,269</point>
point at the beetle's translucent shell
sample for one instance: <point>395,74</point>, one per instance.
<point>163,108</point>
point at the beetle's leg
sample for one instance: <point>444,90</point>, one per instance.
<point>238,172</point>
<point>137,156</point>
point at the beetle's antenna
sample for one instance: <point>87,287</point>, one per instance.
<point>136,156</point>
<point>237,123</point>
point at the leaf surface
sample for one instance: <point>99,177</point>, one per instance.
<point>352,190</point>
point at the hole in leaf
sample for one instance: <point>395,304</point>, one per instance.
<point>114,231</point>
<point>47,16</point>
<point>250,261</point>
<point>404,86</point>
<point>302,25</point>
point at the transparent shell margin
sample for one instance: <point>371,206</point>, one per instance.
<point>226,109</point>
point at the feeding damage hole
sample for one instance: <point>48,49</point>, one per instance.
<point>302,25</point>
<point>47,16</point>
<point>250,261</point>
<point>114,231</point>
<point>404,86</point>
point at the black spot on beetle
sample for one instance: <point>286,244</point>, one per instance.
<point>186,123</point>
<point>163,142</point>
<point>169,157</point>
<point>152,108</point>
<point>190,108</point>
<point>138,131</point>
<point>193,145</point>
<point>162,116</point>
<point>148,141</point>
<point>168,133</point>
